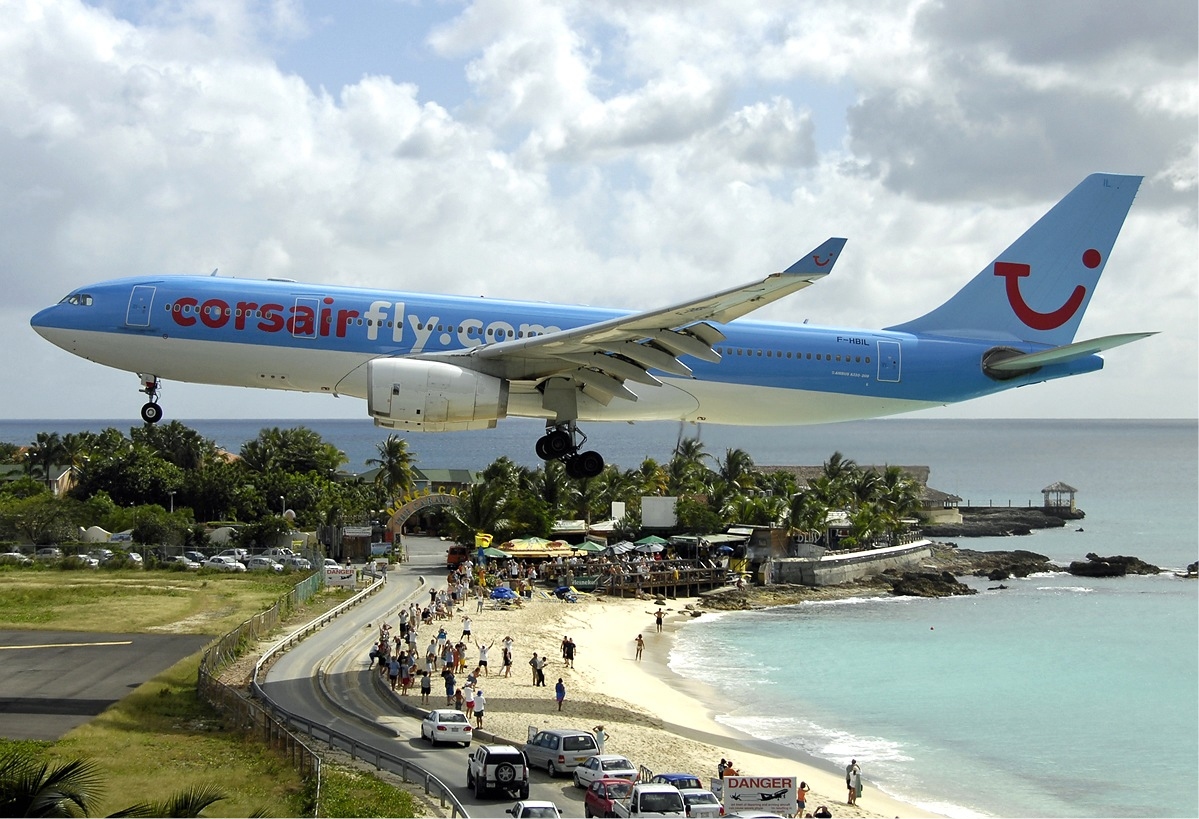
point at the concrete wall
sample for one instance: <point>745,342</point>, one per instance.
<point>843,568</point>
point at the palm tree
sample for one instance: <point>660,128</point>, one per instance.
<point>737,468</point>
<point>395,466</point>
<point>30,787</point>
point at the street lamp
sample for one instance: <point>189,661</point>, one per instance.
<point>282,505</point>
<point>172,494</point>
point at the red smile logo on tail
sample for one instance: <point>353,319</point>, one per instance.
<point>1033,318</point>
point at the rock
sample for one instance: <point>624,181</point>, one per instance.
<point>1114,566</point>
<point>926,584</point>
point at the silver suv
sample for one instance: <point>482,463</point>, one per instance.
<point>559,751</point>
<point>498,767</point>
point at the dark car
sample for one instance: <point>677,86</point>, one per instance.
<point>602,793</point>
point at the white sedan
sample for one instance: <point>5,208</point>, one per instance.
<point>264,564</point>
<point>701,803</point>
<point>224,564</point>
<point>604,766</point>
<point>445,725</point>
<point>534,809</point>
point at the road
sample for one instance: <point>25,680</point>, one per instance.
<point>369,715</point>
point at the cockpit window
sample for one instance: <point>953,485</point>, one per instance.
<point>82,299</point>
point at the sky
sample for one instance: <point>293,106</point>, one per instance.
<point>608,152</point>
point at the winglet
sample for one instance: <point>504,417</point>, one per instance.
<point>819,262</point>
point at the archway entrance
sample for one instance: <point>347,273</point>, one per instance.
<point>413,505</point>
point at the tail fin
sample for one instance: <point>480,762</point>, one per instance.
<point>1038,289</point>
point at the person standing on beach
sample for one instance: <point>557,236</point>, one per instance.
<point>853,781</point>
<point>601,736</point>
<point>480,705</point>
<point>640,643</point>
<point>533,665</point>
<point>801,797</point>
<point>659,616</point>
<point>559,692</point>
<point>568,652</point>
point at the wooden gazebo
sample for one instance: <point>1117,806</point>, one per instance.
<point>1059,496</point>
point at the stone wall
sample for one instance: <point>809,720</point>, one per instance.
<point>833,569</point>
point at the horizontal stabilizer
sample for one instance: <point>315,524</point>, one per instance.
<point>1070,352</point>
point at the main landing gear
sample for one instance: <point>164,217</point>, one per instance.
<point>562,442</point>
<point>151,412</point>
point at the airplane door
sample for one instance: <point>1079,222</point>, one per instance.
<point>140,301</point>
<point>888,361</point>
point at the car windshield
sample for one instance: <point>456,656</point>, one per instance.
<point>684,782</point>
<point>453,716</point>
<point>497,758</point>
<point>661,802</point>
<point>579,743</point>
<point>617,764</point>
<point>540,813</point>
<point>621,790</point>
<point>700,798</point>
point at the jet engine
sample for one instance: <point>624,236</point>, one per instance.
<point>432,396</point>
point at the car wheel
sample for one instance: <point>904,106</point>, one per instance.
<point>578,783</point>
<point>524,791</point>
<point>551,769</point>
<point>478,789</point>
<point>505,774</point>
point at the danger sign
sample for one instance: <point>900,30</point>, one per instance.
<point>776,794</point>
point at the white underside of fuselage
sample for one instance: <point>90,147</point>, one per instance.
<point>344,374</point>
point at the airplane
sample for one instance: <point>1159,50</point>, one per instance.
<point>436,363</point>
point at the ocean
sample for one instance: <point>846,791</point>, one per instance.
<point>1058,696</point>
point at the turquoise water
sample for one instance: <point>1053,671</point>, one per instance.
<point>1056,697</point>
<point>1059,696</point>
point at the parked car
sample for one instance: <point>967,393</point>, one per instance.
<point>280,552</point>
<point>81,561</point>
<point>650,799</point>
<point>238,554</point>
<point>559,750</point>
<point>701,803</point>
<point>185,562</point>
<point>679,780</point>
<point>445,725</point>
<point>498,767</point>
<point>297,563</point>
<point>604,766</point>
<point>534,809</point>
<point>331,563</point>
<point>259,563</point>
<point>224,564</point>
<point>15,557</point>
<point>48,553</point>
<point>194,556</point>
<point>602,794</point>
<point>102,555</point>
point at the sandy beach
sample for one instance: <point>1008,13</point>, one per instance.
<point>653,716</point>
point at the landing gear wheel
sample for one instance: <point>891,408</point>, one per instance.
<point>151,413</point>
<point>558,443</point>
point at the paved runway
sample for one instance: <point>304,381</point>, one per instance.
<point>52,681</point>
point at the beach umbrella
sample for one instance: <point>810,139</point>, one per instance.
<point>620,547</point>
<point>648,548</point>
<point>590,547</point>
<point>491,551</point>
<point>651,539</point>
<point>723,550</point>
<point>503,593</point>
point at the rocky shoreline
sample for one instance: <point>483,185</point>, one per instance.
<point>1002,521</point>
<point>938,577</point>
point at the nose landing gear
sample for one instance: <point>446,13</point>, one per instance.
<point>562,442</point>
<point>151,412</point>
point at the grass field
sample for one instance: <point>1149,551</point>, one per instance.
<point>162,739</point>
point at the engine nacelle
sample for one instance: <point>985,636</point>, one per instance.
<point>431,396</point>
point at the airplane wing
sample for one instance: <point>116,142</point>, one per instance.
<point>600,357</point>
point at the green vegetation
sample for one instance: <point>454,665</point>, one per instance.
<point>161,481</point>
<point>346,792</point>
